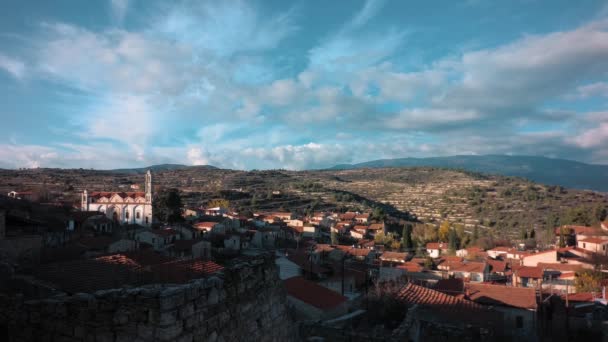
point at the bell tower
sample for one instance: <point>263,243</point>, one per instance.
<point>148,187</point>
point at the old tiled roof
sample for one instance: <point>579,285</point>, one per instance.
<point>580,297</point>
<point>529,272</point>
<point>452,286</point>
<point>362,216</point>
<point>477,267</point>
<point>497,265</point>
<point>437,245</point>
<point>576,230</point>
<point>313,294</point>
<point>517,297</point>
<point>560,267</point>
<point>348,216</point>
<point>393,256</point>
<point>376,226</point>
<point>92,274</point>
<point>411,267</point>
<point>148,257</point>
<point>121,194</point>
<point>182,271</point>
<point>414,294</point>
<point>302,260</point>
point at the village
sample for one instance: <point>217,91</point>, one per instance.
<point>333,265</point>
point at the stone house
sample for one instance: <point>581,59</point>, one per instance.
<point>436,249</point>
<point>526,276</point>
<point>312,301</point>
<point>158,239</point>
<point>517,305</point>
<point>190,249</point>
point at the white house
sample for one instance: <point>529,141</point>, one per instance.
<point>158,239</point>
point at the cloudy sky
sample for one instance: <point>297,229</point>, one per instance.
<point>302,84</point>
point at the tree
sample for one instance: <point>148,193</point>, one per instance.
<point>524,234</point>
<point>168,206</point>
<point>219,202</point>
<point>588,281</point>
<point>406,236</point>
<point>334,237</point>
<point>378,214</point>
<point>562,241</point>
<point>453,241</point>
<point>475,234</point>
<point>532,234</point>
<point>444,231</point>
<point>600,213</point>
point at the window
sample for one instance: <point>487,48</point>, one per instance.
<point>137,215</point>
<point>146,219</point>
<point>584,245</point>
<point>519,322</point>
<point>127,215</point>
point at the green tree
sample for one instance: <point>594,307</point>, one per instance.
<point>453,241</point>
<point>475,233</point>
<point>562,241</point>
<point>532,234</point>
<point>406,236</point>
<point>168,206</point>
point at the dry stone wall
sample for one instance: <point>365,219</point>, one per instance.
<point>247,302</point>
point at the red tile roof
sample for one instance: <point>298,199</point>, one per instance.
<point>497,266</point>
<point>443,304</point>
<point>452,286</point>
<point>182,271</point>
<point>560,267</point>
<point>121,194</point>
<point>376,226</point>
<point>205,225</point>
<point>517,297</point>
<point>580,297</point>
<point>576,230</point>
<point>411,267</point>
<point>437,245</point>
<point>313,294</point>
<point>393,256</point>
<point>529,272</point>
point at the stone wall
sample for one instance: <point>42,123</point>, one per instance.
<point>246,302</point>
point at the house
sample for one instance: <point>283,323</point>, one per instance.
<point>540,257</point>
<point>435,249</point>
<point>188,232</point>
<point>310,231</point>
<point>396,257</point>
<point>236,242</point>
<point>25,195</point>
<point>157,238</point>
<point>210,227</point>
<point>431,310</point>
<point>312,301</point>
<point>526,276</point>
<point>357,234</point>
<point>375,228</point>
<point>517,305</point>
<point>595,244</point>
<point>287,267</point>
<point>604,225</point>
<point>469,271</point>
<point>215,211</point>
<point>265,237</point>
<point>574,233</point>
<point>295,223</point>
<point>190,249</point>
<point>362,218</point>
<point>347,216</point>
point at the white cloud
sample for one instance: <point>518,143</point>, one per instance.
<point>14,67</point>
<point>119,9</point>
<point>592,90</point>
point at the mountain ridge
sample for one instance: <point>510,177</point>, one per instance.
<point>550,171</point>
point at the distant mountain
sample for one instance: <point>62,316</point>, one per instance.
<point>161,167</point>
<point>544,170</point>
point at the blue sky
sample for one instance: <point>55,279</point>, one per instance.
<point>302,84</point>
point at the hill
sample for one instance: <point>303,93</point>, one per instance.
<point>544,170</point>
<point>160,167</point>
<point>501,205</point>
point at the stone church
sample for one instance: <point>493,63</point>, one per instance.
<point>122,207</point>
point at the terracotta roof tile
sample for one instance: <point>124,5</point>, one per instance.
<point>313,294</point>
<point>529,272</point>
<point>517,297</point>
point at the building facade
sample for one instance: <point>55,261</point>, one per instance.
<point>122,207</point>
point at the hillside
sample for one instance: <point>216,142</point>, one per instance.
<point>503,205</point>
<point>550,171</point>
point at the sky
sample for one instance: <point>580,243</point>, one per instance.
<point>299,84</point>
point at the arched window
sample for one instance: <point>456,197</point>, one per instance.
<point>127,215</point>
<point>146,219</point>
<point>137,215</point>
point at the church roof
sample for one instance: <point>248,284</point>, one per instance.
<point>121,194</point>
